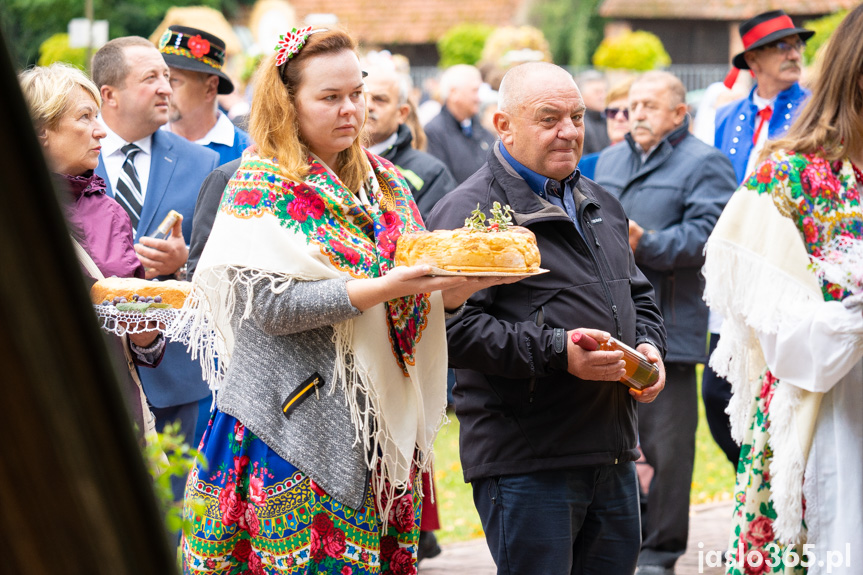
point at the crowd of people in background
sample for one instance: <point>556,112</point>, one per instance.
<point>697,236</point>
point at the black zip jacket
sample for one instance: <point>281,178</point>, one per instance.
<point>519,409</point>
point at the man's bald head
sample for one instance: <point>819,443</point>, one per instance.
<point>521,81</point>
<point>540,119</point>
<point>459,88</point>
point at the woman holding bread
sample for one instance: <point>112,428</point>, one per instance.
<point>331,361</point>
<point>65,104</point>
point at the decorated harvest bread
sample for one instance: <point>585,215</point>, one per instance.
<point>494,246</point>
<point>170,292</point>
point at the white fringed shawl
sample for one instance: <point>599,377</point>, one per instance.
<point>757,277</point>
<point>275,231</point>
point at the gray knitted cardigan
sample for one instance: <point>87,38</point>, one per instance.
<point>287,339</point>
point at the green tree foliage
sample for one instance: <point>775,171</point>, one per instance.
<point>463,44</point>
<point>26,24</point>
<point>823,28</point>
<point>56,49</point>
<point>573,29</point>
<point>168,456</point>
<point>637,50</point>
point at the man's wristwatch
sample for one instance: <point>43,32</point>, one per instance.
<point>181,273</point>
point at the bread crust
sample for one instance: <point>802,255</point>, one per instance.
<point>465,250</point>
<point>172,292</point>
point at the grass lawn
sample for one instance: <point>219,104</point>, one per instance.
<point>712,480</point>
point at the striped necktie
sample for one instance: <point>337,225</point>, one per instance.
<point>128,191</point>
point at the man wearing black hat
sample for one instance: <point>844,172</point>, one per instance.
<point>773,51</point>
<point>150,172</point>
<point>196,59</point>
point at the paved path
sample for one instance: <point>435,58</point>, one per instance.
<point>709,524</point>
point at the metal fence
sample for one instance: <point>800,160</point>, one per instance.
<point>693,76</point>
<point>699,76</point>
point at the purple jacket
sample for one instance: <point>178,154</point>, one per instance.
<point>101,226</point>
<point>104,230</point>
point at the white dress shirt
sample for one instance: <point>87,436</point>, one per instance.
<point>222,132</point>
<point>113,157</point>
<point>385,145</point>
<point>761,103</point>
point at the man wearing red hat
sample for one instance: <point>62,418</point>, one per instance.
<point>773,52</point>
<point>196,60</point>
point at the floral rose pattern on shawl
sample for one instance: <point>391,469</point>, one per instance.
<point>822,200</point>
<point>356,239</point>
<point>753,545</point>
<point>820,197</point>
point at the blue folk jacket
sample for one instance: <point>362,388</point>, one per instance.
<point>235,150</point>
<point>735,124</point>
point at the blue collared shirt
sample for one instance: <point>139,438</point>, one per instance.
<point>548,188</point>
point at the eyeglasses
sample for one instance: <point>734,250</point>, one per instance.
<point>611,113</point>
<point>785,47</point>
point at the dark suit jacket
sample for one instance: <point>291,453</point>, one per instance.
<point>205,211</point>
<point>428,178</point>
<point>177,169</point>
<point>447,142</point>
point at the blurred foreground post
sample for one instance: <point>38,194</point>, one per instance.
<point>75,496</point>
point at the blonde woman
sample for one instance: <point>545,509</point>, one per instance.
<point>64,105</point>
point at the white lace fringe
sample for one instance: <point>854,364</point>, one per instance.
<point>776,299</point>
<point>371,431</point>
<point>197,326</point>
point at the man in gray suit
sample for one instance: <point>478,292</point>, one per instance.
<point>673,188</point>
<point>150,172</point>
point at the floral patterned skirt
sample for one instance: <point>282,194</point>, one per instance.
<point>248,511</point>
<point>754,549</point>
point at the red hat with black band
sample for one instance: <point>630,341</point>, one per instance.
<point>760,31</point>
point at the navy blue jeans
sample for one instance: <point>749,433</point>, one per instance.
<point>563,522</point>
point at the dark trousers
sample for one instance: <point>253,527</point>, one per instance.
<point>666,431</point>
<point>193,418</point>
<point>450,384</point>
<point>564,522</point>
<point>716,393</point>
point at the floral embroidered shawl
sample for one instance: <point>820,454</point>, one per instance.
<point>271,229</point>
<point>758,277</point>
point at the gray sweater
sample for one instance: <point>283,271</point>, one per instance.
<point>287,339</point>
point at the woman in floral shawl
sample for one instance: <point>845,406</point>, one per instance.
<point>792,340</point>
<point>329,362</point>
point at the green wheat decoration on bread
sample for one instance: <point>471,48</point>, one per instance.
<point>500,220</point>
